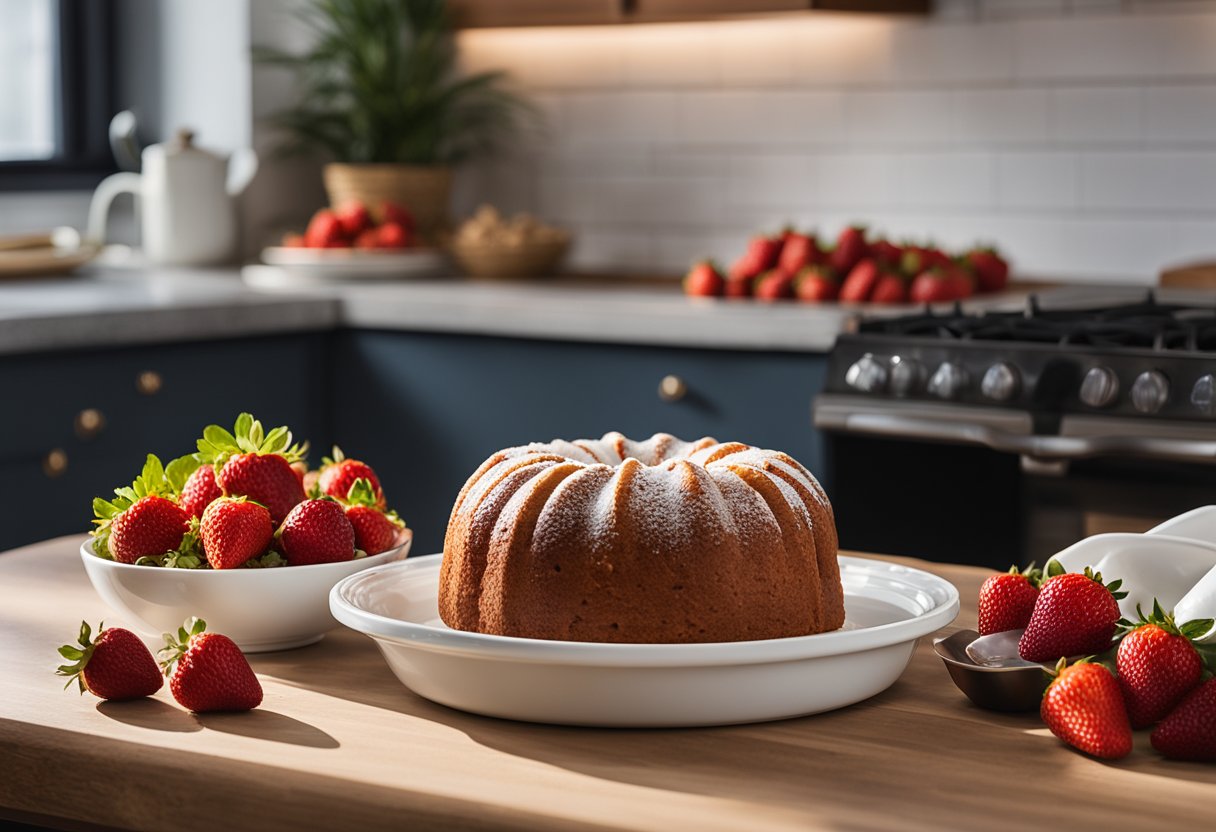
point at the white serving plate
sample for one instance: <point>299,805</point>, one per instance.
<point>259,609</point>
<point>888,607</point>
<point>337,264</point>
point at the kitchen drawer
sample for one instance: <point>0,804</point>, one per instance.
<point>281,380</point>
<point>427,409</point>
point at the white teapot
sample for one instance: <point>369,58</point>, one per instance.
<point>185,196</point>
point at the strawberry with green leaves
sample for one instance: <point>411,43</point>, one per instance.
<point>250,462</point>
<point>1007,600</point>
<point>317,531</point>
<point>115,665</point>
<point>376,530</point>
<point>1188,732</point>
<point>1158,664</point>
<point>1083,707</point>
<point>142,521</point>
<point>207,671</point>
<point>199,490</point>
<point>338,474</point>
<point>234,531</point>
<point>1076,614</point>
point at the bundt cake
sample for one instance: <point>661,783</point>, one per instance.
<point>654,541</point>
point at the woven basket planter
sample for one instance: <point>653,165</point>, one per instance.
<point>425,191</point>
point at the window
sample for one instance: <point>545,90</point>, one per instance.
<point>55,93</point>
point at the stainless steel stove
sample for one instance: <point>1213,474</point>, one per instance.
<point>1031,428</point>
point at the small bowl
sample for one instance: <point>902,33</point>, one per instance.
<point>994,688</point>
<point>260,609</point>
<point>498,261</point>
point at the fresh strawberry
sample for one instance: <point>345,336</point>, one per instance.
<point>960,278</point>
<point>991,270</point>
<point>325,231</point>
<point>1075,614</point>
<point>816,284</point>
<point>798,252</point>
<point>916,259</point>
<point>234,531</point>
<point>317,531</point>
<point>368,239</point>
<point>1189,731</point>
<point>774,285</point>
<point>338,475</point>
<point>394,235</point>
<point>376,530</point>
<point>117,665</point>
<point>890,288</point>
<point>738,287</point>
<point>934,285</point>
<point>200,490</point>
<point>886,253</point>
<point>704,280</point>
<point>207,671</point>
<point>850,249</point>
<point>353,217</point>
<point>150,527</point>
<point>860,283</point>
<point>1007,600</point>
<point>760,256</point>
<point>255,464</point>
<point>399,214</point>
<point>140,521</point>
<point>1083,707</point>
<point>1158,664</point>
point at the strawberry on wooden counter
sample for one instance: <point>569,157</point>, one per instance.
<point>116,665</point>
<point>208,672</point>
<point>704,280</point>
<point>1084,708</point>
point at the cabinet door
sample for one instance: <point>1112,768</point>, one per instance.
<point>426,410</point>
<point>280,380</point>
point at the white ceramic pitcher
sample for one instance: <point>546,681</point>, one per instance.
<point>185,195</point>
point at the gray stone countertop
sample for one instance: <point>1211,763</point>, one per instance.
<point>107,306</point>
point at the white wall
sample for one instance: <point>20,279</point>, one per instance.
<point>1080,135</point>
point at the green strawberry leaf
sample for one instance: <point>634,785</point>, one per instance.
<point>180,469</point>
<point>244,423</point>
<point>1055,568</point>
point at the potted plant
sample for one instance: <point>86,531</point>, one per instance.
<point>380,95</point>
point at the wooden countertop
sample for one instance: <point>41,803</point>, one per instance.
<point>339,742</point>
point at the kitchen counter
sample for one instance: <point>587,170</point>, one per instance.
<point>339,741</point>
<point>109,306</point>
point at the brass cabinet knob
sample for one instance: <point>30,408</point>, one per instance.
<point>89,422</point>
<point>148,382</point>
<point>672,389</point>
<point>55,462</point>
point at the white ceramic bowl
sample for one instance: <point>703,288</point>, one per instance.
<point>259,609</point>
<point>888,607</point>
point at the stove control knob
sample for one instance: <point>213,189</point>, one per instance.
<point>1203,395</point>
<point>868,374</point>
<point>1150,391</point>
<point>1001,382</point>
<point>1100,387</point>
<point>907,376</point>
<point>947,381</point>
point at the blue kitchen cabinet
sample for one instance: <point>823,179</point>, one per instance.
<point>427,409</point>
<point>281,380</point>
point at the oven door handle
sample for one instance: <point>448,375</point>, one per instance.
<point>1037,447</point>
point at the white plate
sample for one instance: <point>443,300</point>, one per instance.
<point>330,264</point>
<point>888,607</point>
<point>259,609</point>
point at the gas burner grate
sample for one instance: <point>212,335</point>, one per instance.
<point>1144,325</point>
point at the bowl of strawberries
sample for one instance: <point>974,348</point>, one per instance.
<point>243,534</point>
<point>356,242</point>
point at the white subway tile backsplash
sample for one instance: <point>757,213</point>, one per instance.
<point>1097,114</point>
<point>1180,113</point>
<point>1079,135</point>
<point>1038,180</point>
<point>937,180</point>
<point>1002,115</point>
